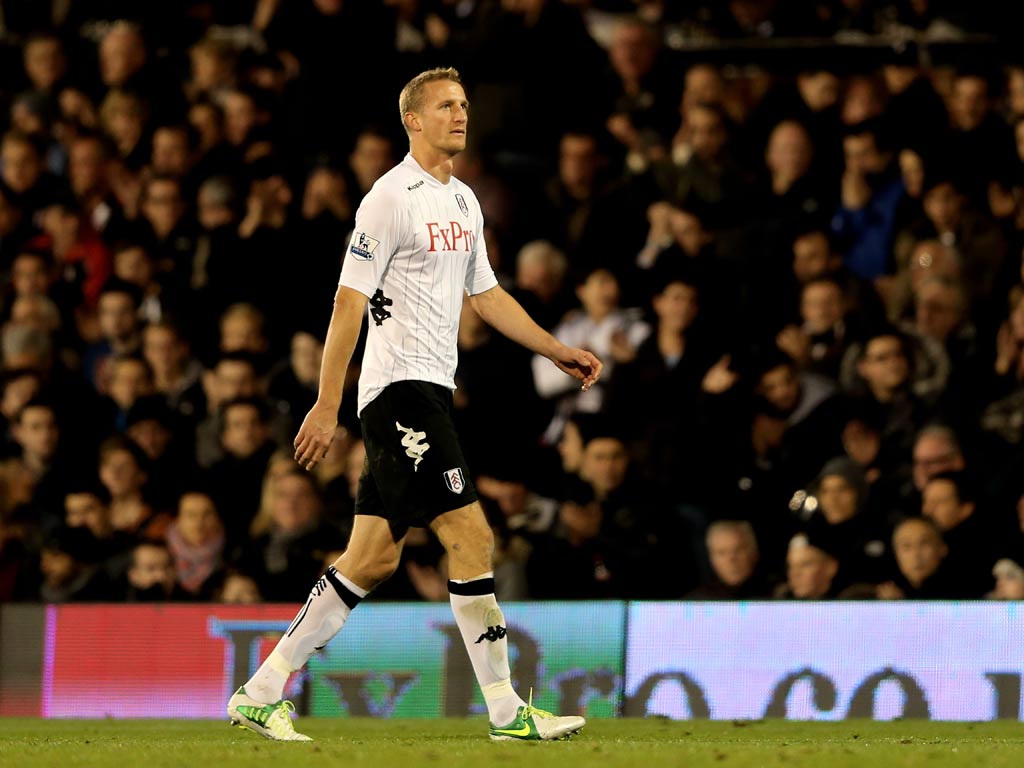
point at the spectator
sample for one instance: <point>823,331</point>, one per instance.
<point>151,575</point>
<point>1009,581</point>
<point>66,573</point>
<point>237,588</point>
<point>920,556</point>
<point>870,193</point>
<point>122,470</point>
<point>735,560</point>
<point>843,516</point>
<point>613,334</point>
<point>117,314</point>
<point>196,542</point>
<point>87,509</point>
<point>289,547</point>
<point>236,479</point>
<point>949,500</point>
<point>811,571</point>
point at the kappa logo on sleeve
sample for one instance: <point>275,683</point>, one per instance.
<point>363,246</point>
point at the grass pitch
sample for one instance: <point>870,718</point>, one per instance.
<point>464,743</point>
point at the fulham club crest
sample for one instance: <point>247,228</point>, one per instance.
<point>453,479</point>
<point>462,204</point>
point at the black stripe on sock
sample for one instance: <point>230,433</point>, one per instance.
<point>348,597</point>
<point>472,588</point>
<point>300,617</point>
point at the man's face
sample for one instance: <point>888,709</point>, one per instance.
<point>129,380</point>
<point>919,551</point>
<point>733,558</point>
<point>85,510</point>
<point>781,387</point>
<point>244,433</point>
<point>44,62</point>
<point>86,166</point>
<point>789,150</point>
<point>306,356</point>
<point>443,116</point>
<point>21,165</point>
<point>239,116</point>
<point>838,499</point>
<point>371,159</point>
<point>969,102</point>
<point>121,474</point>
<point>912,171</point>
<point>810,572</point>
<point>599,293</point>
<point>170,151</point>
<point>57,566</point>
<point>632,51</point>
<point>884,365</point>
<point>604,464</point>
<point>940,502</point>
<point>942,205</point>
<point>821,306</point>
<point>706,132</point>
<point>151,567</point>
<point>240,332</point>
<point>862,155</point>
<point>151,436</point>
<point>29,276</point>
<point>161,348</point>
<point>294,502</point>
<point>162,205</point>
<point>932,455</point>
<point>116,316</point>
<point>676,306</point>
<point>937,310</point>
<point>17,392</point>
<point>811,256</point>
<point>577,161</point>
<point>36,432</point>
<point>234,378</point>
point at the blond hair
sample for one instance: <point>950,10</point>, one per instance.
<point>411,97</point>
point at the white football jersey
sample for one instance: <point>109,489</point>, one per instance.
<point>416,251</point>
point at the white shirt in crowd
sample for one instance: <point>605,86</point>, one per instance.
<point>417,250</point>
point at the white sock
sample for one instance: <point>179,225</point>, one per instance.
<point>324,614</point>
<point>483,631</point>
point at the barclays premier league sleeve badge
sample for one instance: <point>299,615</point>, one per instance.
<point>363,246</point>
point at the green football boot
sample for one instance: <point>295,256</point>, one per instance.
<point>532,724</point>
<point>272,721</point>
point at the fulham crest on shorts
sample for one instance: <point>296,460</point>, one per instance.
<point>453,479</point>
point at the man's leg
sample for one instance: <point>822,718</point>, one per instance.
<point>468,539</point>
<point>371,557</point>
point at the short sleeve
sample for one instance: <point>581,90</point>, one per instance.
<point>479,275</point>
<point>375,240</point>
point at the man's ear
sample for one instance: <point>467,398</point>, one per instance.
<point>412,123</point>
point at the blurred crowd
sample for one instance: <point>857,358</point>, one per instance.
<point>803,274</point>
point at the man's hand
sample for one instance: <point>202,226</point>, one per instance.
<point>719,378</point>
<point>315,435</point>
<point>580,364</point>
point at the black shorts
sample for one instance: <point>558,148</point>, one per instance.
<point>414,467</point>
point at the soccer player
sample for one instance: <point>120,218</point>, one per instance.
<point>417,250</point>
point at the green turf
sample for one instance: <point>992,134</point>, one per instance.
<point>457,743</point>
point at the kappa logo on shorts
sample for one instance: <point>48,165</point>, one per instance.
<point>363,246</point>
<point>454,480</point>
<point>414,447</point>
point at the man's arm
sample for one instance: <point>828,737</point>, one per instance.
<point>502,312</point>
<point>317,430</point>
